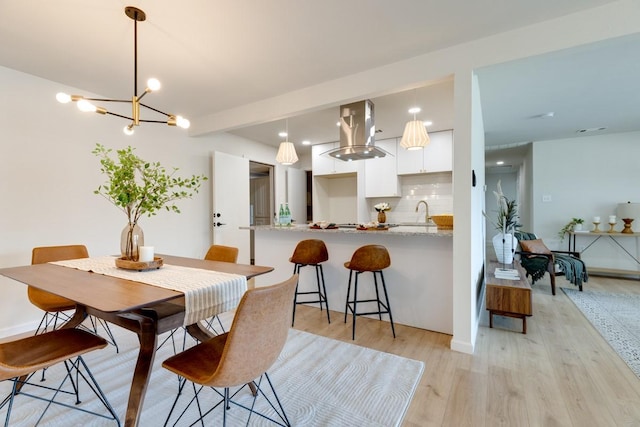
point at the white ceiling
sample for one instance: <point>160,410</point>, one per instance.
<point>216,55</point>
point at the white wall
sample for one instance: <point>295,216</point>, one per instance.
<point>48,175</point>
<point>586,177</point>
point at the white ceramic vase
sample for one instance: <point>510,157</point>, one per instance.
<point>505,246</point>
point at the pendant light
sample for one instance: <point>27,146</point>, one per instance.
<point>286,152</point>
<point>415,135</point>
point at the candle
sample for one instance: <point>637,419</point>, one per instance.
<point>146,254</point>
<point>596,219</point>
<point>612,219</point>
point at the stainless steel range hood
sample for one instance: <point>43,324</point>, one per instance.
<point>357,133</point>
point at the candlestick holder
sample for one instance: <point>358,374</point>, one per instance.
<point>611,225</point>
<point>627,226</point>
<point>595,227</point>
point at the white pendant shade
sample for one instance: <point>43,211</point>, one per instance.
<point>415,136</point>
<point>287,153</point>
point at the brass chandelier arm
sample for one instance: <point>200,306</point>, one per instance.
<point>156,110</point>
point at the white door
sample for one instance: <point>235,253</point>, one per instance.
<point>231,203</point>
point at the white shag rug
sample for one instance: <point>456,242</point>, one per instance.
<point>616,317</point>
<point>320,382</point>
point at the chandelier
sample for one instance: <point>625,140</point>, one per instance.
<point>86,104</point>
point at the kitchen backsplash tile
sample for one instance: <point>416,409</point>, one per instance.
<point>435,188</point>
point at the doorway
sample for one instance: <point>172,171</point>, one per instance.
<point>260,198</point>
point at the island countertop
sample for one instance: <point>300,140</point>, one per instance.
<point>419,279</point>
<point>401,230</point>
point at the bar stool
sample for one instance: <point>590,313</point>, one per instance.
<point>373,258</point>
<point>310,252</point>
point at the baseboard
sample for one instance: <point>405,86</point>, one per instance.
<point>462,346</point>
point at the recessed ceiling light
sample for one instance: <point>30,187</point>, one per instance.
<point>428,123</point>
<point>547,115</point>
<point>282,134</point>
<point>499,162</point>
<point>338,124</point>
<point>306,142</point>
<point>414,110</point>
<point>590,130</point>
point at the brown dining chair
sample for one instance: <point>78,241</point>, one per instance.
<point>20,358</point>
<point>222,253</point>
<point>242,356</point>
<point>54,306</point>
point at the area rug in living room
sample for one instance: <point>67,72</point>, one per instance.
<point>616,317</point>
<point>320,381</point>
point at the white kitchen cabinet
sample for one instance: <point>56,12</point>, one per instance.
<point>435,157</point>
<point>381,175</point>
<point>323,164</point>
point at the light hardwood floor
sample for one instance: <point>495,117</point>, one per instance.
<point>561,373</point>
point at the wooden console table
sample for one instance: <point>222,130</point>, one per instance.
<point>614,238</point>
<point>511,298</point>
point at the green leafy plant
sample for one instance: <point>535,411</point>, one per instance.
<point>138,187</point>
<point>569,227</point>
<point>507,219</point>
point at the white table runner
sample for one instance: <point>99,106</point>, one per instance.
<point>206,292</point>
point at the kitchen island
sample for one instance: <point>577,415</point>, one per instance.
<point>419,280</point>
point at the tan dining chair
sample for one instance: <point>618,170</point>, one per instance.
<point>222,253</point>
<point>20,358</point>
<point>242,356</point>
<point>54,306</point>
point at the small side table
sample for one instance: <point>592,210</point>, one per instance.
<point>511,298</point>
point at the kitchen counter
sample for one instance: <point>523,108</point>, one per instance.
<point>419,280</point>
<point>401,230</point>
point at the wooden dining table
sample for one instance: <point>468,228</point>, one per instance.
<point>144,309</point>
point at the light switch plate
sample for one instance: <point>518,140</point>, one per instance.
<point>546,198</point>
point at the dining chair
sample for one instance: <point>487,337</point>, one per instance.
<point>21,358</point>
<point>242,356</point>
<point>54,306</point>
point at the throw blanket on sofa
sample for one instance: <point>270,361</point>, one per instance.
<point>573,268</point>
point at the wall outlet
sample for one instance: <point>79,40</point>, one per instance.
<point>546,198</point>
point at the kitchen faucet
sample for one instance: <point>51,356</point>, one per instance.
<point>427,218</point>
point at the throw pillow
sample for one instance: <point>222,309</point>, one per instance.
<point>535,246</point>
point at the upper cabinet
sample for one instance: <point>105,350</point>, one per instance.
<point>435,157</point>
<point>381,177</point>
<point>323,165</point>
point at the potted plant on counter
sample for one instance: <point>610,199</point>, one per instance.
<point>138,187</point>
<point>381,208</point>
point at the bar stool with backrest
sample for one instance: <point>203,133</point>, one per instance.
<point>374,259</point>
<point>311,252</point>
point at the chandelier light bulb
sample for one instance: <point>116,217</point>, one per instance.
<point>128,130</point>
<point>63,98</point>
<point>86,106</point>
<point>182,122</point>
<point>153,84</point>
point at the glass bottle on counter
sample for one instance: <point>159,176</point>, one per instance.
<point>287,214</point>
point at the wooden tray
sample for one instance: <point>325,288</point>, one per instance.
<point>139,265</point>
<point>317,227</point>
<point>373,228</point>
